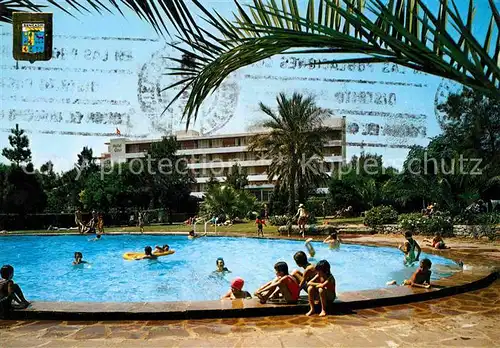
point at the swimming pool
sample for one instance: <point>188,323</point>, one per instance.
<point>43,266</point>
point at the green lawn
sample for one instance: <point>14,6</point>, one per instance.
<point>246,227</point>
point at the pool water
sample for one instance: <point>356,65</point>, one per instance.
<point>44,270</point>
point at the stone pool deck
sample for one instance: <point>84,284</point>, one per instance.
<point>467,320</point>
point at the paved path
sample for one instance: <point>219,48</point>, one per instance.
<point>467,320</point>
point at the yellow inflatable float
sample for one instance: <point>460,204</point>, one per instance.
<point>134,255</point>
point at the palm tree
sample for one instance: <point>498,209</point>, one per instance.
<point>294,143</point>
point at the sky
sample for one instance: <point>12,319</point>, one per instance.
<point>107,69</point>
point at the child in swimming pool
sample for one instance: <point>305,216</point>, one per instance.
<point>284,285</point>
<point>310,248</point>
<point>193,235</point>
<point>409,249</point>
<point>148,254</point>
<point>322,286</point>
<point>97,237</point>
<point>162,249</point>
<point>221,266</point>
<point>78,258</point>
<point>437,242</point>
<point>421,278</point>
<point>300,258</point>
<point>333,240</point>
<point>236,290</point>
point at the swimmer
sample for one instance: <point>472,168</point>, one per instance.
<point>333,240</point>
<point>221,266</point>
<point>148,254</point>
<point>97,237</point>
<point>193,235</point>
<point>79,259</point>
<point>437,242</point>
<point>310,248</point>
<point>409,249</point>
<point>409,258</point>
<point>236,291</point>
<point>162,249</point>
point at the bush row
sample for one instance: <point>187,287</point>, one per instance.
<point>282,220</point>
<point>13,222</point>
<point>310,229</point>
<point>440,222</point>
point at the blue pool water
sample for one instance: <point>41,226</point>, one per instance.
<point>43,266</point>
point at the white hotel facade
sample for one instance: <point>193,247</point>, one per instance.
<point>207,154</point>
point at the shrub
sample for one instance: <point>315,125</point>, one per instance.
<point>279,220</point>
<point>467,218</point>
<point>314,206</point>
<point>310,229</point>
<point>417,223</point>
<point>409,222</point>
<point>380,215</point>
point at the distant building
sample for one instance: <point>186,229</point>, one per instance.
<point>216,154</point>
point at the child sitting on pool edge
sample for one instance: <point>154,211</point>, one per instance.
<point>284,284</point>
<point>437,242</point>
<point>421,278</point>
<point>236,290</point>
<point>300,258</point>
<point>78,258</point>
<point>10,291</point>
<point>321,287</point>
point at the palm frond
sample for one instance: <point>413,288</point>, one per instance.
<point>406,32</point>
<point>155,12</point>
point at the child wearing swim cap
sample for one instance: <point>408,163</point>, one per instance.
<point>236,290</point>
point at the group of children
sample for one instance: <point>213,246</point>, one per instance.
<point>316,280</point>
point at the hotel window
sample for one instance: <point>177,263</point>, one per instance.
<point>203,144</point>
<point>250,156</point>
<point>216,143</point>
<point>228,142</point>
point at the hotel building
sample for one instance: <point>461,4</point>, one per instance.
<point>216,154</point>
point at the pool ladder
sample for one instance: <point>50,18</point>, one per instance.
<point>206,223</point>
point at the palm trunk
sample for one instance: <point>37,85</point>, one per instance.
<point>291,193</point>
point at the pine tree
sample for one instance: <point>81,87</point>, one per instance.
<point>20,151</point>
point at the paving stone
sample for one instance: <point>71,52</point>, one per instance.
<point>168,331</point>
<point>91,332</point>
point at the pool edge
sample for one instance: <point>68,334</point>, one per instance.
<point>347,302</point>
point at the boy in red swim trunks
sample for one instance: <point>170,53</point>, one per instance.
<point>283,285</point>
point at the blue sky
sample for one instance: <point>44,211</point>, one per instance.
<point>106,68</point>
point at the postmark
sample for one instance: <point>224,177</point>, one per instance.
<point>445,88</point>
<point>154,97</point>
